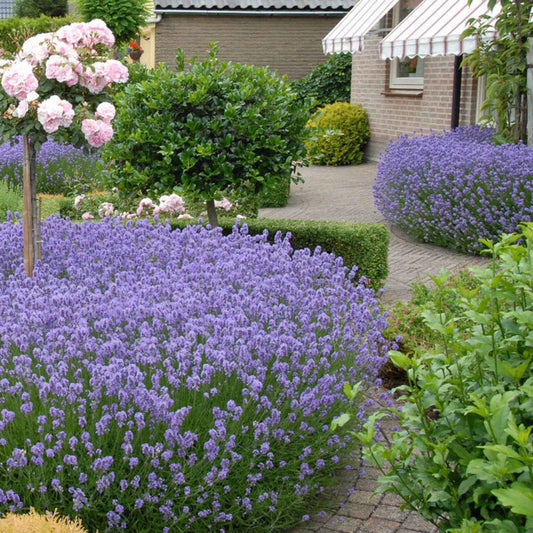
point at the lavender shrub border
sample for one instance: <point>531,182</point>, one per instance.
<point>161,380</point>
<point>457,187</point>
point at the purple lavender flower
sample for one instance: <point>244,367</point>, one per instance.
<point>158,361</point>
<point>454,188</point>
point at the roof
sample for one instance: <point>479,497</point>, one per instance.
<point>348,35</point>
<point>435,27</point>
<point>296,5</point>
<point>6,8</point>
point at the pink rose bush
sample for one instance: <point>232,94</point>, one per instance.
<point>75,59</point>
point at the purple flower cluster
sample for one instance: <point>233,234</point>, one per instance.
<point>454,188</point>
<point>61,169</point>
<point>178,379</point>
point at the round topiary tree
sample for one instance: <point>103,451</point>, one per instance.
<point>211,127</point>
<point>342,131</point>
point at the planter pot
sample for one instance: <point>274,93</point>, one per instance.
<point>135,54</point>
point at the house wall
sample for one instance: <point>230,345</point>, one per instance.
<point>290,44</point>
<point>390,113</point>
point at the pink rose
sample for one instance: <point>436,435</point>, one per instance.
<point>21,110</point>
<point>87,216</point>
<point>94,77</point>
<point>18,80</point>
<point>60,69</point>
<point>54,112</point>
<point>73,34</point>
<point>97,132</point>
<point>96,31</point>
<point>105,111</point>
<point>116,71</point>
<point>106,209</point>
<point>36,49</point>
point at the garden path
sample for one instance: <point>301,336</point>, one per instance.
<point>344,194</point>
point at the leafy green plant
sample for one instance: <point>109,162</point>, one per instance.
<point>213,126</point>
<point>342,133</point>
<point>503,60</point>
<point>463,453</point>
<point>36,8</point>
<point>277,195</point>
<point>328,83</point>
<point>123,17</point>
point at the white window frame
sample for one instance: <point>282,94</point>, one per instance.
<point>401,82</point>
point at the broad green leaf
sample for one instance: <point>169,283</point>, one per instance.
<point>519,498</point>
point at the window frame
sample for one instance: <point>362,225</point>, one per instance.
<point>396,81</point>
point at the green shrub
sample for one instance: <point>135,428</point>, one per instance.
<point>343,131</point>
<point>362,245</point>
<point>36,8</point>
<point>212,127</point>
<point>14,31</point>
<point>328,83</point>
<point>277,195</point>
<point>123,17</point>
<point>463,453</point>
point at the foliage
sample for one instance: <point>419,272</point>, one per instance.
<point>463,451</point>
<point>455,187</point>
<point>328,83</point>
<point>33,522</point>
<point>211,127</point>
<point>185,379</point>
<point>9,201</point>
<point>277,195</point>
<point>36,8</point>
<point>125,18</point>
<point>504,61</point>
<point>61,169</point>
<point>361,246</point>
<point>343,131</point>
<point>14,31</point>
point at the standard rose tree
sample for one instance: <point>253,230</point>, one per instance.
<point>56,86</point>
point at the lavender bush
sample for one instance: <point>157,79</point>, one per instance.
<point>158,380</point>
<point>61,169</point>
<point>454,188</point>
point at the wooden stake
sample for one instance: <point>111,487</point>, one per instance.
<point>212,213</point>
<point>32,244</point>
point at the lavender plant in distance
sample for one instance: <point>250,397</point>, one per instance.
<point>457,187</point>
<point>158,380</point>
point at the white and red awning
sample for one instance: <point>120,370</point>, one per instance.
<point>348,35</point>
<point>435,28</point>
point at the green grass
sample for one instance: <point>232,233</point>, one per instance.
<point>11,200</point>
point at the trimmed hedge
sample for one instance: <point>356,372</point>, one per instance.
<point>363,245</point>
<point>14,31</point>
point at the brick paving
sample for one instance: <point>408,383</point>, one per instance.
<point>344,194</point>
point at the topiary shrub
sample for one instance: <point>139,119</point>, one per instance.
<point>211,128</point>
<point>453,188</point>
<point>328,83</point>
<point>342,131</point>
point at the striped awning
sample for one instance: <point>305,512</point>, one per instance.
<point>348,35</point>
<point>435,28</point>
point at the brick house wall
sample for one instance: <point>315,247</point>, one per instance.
<point>290,44</point>
<point>390,113</point>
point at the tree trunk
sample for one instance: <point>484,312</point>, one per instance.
<point>212,213</point>
<point>32,229</point>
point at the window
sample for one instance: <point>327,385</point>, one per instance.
<point>406,73</point>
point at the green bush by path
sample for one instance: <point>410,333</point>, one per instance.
<point>463,453</point>
<point>328,83</point>
<point>342,133</point>
<point>362,245</point>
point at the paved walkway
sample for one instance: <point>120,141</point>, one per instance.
<point>344,194</point>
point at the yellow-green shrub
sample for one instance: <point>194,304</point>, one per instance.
<point>33,522</point>
<point>342,133</point>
